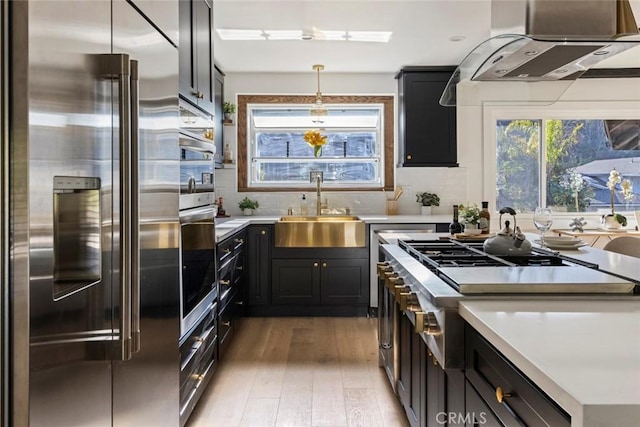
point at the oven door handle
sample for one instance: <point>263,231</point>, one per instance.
<point>192,143</point>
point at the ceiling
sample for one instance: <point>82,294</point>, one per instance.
<point>422,33</point>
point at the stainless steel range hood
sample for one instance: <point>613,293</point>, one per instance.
<point>547,40</point>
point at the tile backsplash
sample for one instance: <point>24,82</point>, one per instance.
<point>448,183</point>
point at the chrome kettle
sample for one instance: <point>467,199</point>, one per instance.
<point>508,241</point>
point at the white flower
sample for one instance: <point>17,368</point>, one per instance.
<point>614,178</point>
<point>627,190</point>
<point>576,182</point>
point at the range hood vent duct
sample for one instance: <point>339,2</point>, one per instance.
<point>547,40</point>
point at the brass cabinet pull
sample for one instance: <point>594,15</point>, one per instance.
<point>226,251</point>
<point>324,264</point>
<point>409,157</point>
<point>263,232</point>
<point>240,267</point>
<point>226,324</point>
<point>500,395</point>
<point>315,264</point>
<point>238,240</point>
<point>225,282</point>
<point>184,267</point>
<point>239,302</point>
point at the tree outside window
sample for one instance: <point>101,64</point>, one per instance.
<point>577,159</point>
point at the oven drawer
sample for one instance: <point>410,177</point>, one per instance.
<point>193,348</point>
<point>487,370</point>
<point>191,391</point>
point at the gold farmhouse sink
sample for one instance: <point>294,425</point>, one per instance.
<point>326,231</point>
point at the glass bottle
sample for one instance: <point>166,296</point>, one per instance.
<point>455,226</point>
<point>227,156</point>
<point>221,211</point>
<point>484,223</point>
<point>304,209</point>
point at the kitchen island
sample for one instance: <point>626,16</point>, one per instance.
<point>581,351</point>
<point>585,355</point>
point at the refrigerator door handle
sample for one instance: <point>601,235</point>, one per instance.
<point>117,67</point>
<point>135,225</point>
<point>124,116</point>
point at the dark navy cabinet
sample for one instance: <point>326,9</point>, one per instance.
<point>427,130</point>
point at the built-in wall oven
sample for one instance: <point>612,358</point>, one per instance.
<point>197,158</point>
<point>197,217</point>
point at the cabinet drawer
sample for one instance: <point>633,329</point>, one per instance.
<point>487,370</point>
<point>190,380</point>
<point>228,321</point>
<point>190,394</point>
<point>192,351</point>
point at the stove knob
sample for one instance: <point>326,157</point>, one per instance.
<point>382,267</point>
<point>388,276</point>
<point>408,299</point>
<point>427,323</point>
<point>399,289</point>
<point>394,281</point>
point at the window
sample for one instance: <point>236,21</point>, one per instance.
<point>358,153</point>
<point>565,163</point>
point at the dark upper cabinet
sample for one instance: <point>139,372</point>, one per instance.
<point>218,96</point>
<point>426,130</point>
<point>196,53</point>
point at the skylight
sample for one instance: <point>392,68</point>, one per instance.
<point>354,36</point>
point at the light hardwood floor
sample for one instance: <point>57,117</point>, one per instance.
<point>302,371</point>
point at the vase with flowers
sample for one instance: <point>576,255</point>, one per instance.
<point>615,220</point>
<point>315,140</point>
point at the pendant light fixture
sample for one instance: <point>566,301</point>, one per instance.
<point>318,110</point>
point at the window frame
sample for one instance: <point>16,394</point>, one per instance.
<point>387,135</point>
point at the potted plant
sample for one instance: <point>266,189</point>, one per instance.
<point>470,216</point>
<point>427,200</point>
<point>247,205</point>
<point>228,108</point>
<point>615,220</point>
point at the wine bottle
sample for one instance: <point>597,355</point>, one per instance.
<point>484,223</point>
<point>455,226</point>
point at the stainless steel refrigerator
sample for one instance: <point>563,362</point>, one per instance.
<point>90,226</point>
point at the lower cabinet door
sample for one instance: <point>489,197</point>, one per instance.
<point>344,281</point>
<point>295,282</point>
<point>412,379</point>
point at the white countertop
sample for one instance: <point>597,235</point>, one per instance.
<point>584,354</point>
<point>229,225</point>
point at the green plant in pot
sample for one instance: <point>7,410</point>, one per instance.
<point>427,200</point>
<point>248,206</point>
<point>228,108</point>
<point>470,216</point>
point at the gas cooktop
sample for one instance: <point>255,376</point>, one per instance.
<point>470,270</point>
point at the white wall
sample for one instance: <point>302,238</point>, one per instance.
<point>478,104</point>
<point>448,183</point>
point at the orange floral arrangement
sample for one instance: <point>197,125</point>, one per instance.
<point>316,140</point>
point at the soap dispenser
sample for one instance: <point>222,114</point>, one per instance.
<point>304,210</point>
